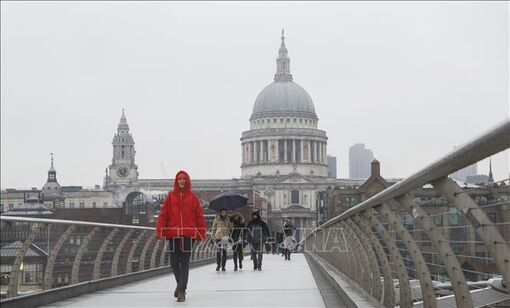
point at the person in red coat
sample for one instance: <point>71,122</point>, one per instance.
<point>181,221</point>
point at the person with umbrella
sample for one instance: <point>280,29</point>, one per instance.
<point>238,238</point>
<point>227,201</point>
<point>258,232</point>
<point>181,220</point>
<point>220,233</point>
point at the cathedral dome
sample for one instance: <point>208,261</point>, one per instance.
<point>283,98</point>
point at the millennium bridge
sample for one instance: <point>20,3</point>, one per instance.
<point>384,252</point>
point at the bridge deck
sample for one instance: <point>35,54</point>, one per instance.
<point>279,284</point>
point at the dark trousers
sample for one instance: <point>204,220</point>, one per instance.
<point>256,255</point>
<point>180,253</point>
<point>287,253</point>
<point>238,253</point>
<point>221,254</point>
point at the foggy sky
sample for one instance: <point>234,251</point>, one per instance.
<point>410,80</point>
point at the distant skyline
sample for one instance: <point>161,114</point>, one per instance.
<point>410,80</point>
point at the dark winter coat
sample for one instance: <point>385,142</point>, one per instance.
<point>181,214</point>
<point>258,231</point>
<point>239,228</point>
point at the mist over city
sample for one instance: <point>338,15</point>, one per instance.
<point>254,154</point>
<point>409,80</point>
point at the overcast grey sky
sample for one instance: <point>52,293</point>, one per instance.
<point>410,80</point>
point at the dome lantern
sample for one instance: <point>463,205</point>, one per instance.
<point>283,97</point>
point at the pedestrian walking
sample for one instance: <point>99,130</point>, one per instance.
<point>220,232</point>
<point>257,233</point>
<point>279,241</point>
<point>288,240</point>
<point>181,221</point>
<point>238,236</point>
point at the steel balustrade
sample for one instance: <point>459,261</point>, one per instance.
<point>87,251</point>
<point>380,246</point>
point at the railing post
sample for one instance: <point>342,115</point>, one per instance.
<point>361,274</point>
<point>388,297</point>
<point>141,266</point>
<point>162,257</point>
<point>15,271</point>
<point>194,250</point>
<point>375,274</point>
<point>77,260</point>
<point>155,253</point>
<point>116,255</point>
<point>422,271</point>
<point>480,222</point>
<point>440,244</point>
<point>403,278</point>
<point>344,260</point>
<point>96,272</point>
<point>129,265</point>
<point>48,272</point>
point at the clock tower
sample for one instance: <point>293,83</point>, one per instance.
<point>123,171</point>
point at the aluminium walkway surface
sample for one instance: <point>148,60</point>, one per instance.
<point>280,284</point>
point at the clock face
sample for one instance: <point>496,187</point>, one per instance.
<point>122,172</point>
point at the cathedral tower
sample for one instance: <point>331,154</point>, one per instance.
<point>123,170</point>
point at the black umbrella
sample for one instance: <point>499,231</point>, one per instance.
<point>231,201</point>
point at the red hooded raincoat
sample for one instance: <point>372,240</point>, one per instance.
<point>181,214</point>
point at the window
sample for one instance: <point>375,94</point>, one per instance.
<point>424,237</point>
<point>82,205</point>
<point>32,273</point>
<point>492,217</point>
<point>438,220</point>
<point>281,120</point>
<point>288,120</point>
<point>294,120</point>
<point>294,197</point>
<point>480,256</point>
<point>274,120</point>
<point>349,201</point>
<point>94,204</point>
<point>71,205</point>
<point>105,204</point>
<point>455,218</point>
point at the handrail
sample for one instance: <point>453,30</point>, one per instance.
<point>369,238</point>
<point>489,143</point>
<point>72,222</point>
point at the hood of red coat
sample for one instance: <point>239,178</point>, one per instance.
<point>187,186</point>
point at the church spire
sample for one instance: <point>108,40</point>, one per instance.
<point>52,173</point>
<point>491,178</point>
<point>283,63</point>
<point>123,124</point>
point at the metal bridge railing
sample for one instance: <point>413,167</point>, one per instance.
<point>396,249</point>
<point>41,254</point>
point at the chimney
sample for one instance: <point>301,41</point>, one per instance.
<point>376,168</point>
